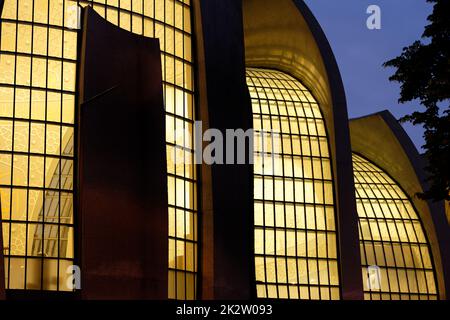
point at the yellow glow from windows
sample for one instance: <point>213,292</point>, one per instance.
<point>170,21</point>
<point>394,250</point>
<point>295,234</point>
<point>37,97</point>
<point>37,88</point>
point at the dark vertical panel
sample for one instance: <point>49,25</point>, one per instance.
<point>347,217</point>
<point>226,105</point>
<point>443,235</point>
<point>2,260</point>
<point>122,165</point>
<point>205,222</point>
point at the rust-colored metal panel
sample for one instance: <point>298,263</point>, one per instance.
<point>122,180</point>
<point>227,190</point>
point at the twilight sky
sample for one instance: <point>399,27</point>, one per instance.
<point>360,52</point>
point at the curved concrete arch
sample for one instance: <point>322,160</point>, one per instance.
<point>380,138</point>
<point>277,35</point>
<point>284,35</point>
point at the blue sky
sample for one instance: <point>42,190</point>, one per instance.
<point>360,52</point>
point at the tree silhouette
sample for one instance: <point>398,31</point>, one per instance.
<point>423,70</point>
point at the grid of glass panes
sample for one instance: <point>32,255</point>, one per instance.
<point>396,261</point>
<point>37,102</point>
<point>295,233</point>
<point>170,21</point>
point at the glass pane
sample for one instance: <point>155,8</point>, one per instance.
<point>394,221</point>
<point>294,200</point>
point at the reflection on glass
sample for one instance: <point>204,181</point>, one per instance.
<point>38,56</point>
<point>295,234</point>
<point>392,238</point>
<point>37,107</point>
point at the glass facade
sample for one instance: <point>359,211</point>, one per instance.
<point>395,253</point>
<point>37,94</point>
<point>295,231</point>
<point>295,225</point>
<point>37,102</point>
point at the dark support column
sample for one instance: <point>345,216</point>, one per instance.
<point>123,215</point>
<point>2,260</point>
<point>443,236</point>
<point>227,221</point>
<point>347,216</point>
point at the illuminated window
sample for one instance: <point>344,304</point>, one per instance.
<point>37,84</point>
<point>395,253</point>
<point>295,232</point>
<point>37,103</point>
